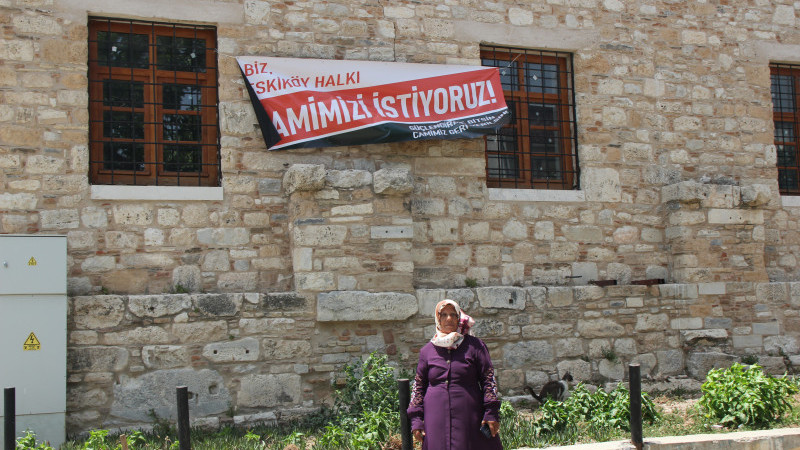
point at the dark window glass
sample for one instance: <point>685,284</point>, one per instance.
<point>183,97</point>
<point>541,78</point>
<point>123,156</point>
<point>122,50</point>
<point>123,93</point>
<point>181,127</point>
<point>508,72</point>
<point>123,125</point>
<point>502,166</point>
<point>180,53</point>
<point>542,114</point>
<point>549,168</point>
<point>182,158</point>
<point>782,93</point>
<point>543,141</point>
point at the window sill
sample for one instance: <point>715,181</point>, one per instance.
<point>790,200</point>
<point>106,192</point>
<point>535,195</point>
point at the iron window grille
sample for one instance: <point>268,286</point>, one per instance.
<point>785,98</point>
<point>153,103</point>
<point>538,149</point>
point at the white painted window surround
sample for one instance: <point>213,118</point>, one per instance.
<point>535,195</point>
<point>167,193</point>
<point>790,200</point>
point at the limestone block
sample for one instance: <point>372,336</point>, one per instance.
<point>315,281</point>
<point>36,24</point>
<point>279,349</point>
<point>428,298</point>
<point>237,118</point>
<point>37,164</point>
<point>487,255</point>
<point>781,345</point>
<point>438,28</point>
<point>601,184</point>
<point>165,356</point>
<point>364,209</point>
<point>267,391</point>
<point>223,237</point>
<point>596,328</point>
<point>187,277</point>
<point>428,206</point>
<point>59,219</point>
<point>237,282</point>
<point>234,351</point>
<point>392,232</point>
<point>460,256</point>
<point>626,235</point>
<point>568,347</point>
<point>97,312</point>
<point>520,16</point>
<point>282,301</point>
<point>502,297</point>
<point>536,295</point>
<point>200,332</point>
<point>513,274</point>
<point>699,363</point>
<point>99,264</point>
<point>218,304</point>
<point>304,177</point>
<point>280,326</point>
<point>588,234</point>
<point>444,230</point>
<point>138,336</point>
<point>132,214</point>
<point>398,12</point>
<point>735,216</point>
<point>620,272</point>
<point>475,232</point>
<point>464,297</point>
<point>784,15</point>
<point>216,261</point>
<point>488,328</point>
<point>544,231</point>
<point>723,323</point>
<point>348,179</point>
<point>16,50</point>
<point>256,12</point>
<point>564,251</point>
<point>147,260</point>
<point>579,369</point>
<point>346,306</point>
<point>548,330</point>
<point>559,296</point>
<point>583,294</point>
<point>614,371</point>
<point>748,341</point>
<point>686,323</point>
<point>527,353</point>
<point>96,359</point>
<point>756,195</point>
<point>515,230</point>
<point>680,291</point>
<point>82,397</point>
<point>714,335</point>
<point>774,292</point>
<point>138,398</point>
<point>670,362</point>
<point>647,362</point>
<point>651,322</point>
<point>766,328</point>
<point>320,235</point>
<point>393,181</point>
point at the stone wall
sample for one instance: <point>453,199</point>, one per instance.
<point>304,260</point>
<point>263,357</point>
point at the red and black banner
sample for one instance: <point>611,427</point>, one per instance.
<point>325,103</point>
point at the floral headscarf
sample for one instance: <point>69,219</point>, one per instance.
<point>451,340</point>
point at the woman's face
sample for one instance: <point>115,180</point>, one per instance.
<point>448,319</point>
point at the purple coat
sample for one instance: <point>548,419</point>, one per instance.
<point>454,390</point>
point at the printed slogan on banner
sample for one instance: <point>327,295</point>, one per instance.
<point>322,103</point>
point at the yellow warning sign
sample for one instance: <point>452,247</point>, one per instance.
<point>32,343</point>
<point>32,261</point>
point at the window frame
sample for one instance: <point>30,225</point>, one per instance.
<point>519,97</point>
<point>793,117</point>
<point>154,78</point>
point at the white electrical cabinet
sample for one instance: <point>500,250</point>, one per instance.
<point>33,332</point>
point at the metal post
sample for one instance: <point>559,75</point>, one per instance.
<point>9,418</point>
<point>635,379</point>
<point>405,425</point>
<point>182,393</point>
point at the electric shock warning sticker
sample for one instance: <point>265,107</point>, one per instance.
<point>322,103</point>
<point>32,343</point>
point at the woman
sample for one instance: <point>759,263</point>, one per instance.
<point>455,392</point>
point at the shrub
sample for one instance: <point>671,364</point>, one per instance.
<point>28,442</point>
<point>745,396</point>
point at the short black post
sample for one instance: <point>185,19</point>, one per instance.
<point>183,418</point>
<point>9,418</point>
<point>635,379</point>
<point>405,425</point>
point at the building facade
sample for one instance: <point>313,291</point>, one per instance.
<point>652,146</point>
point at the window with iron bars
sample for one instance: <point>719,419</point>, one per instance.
<point>785,83</point>
<point>538,149</point>
<point>152,104</point>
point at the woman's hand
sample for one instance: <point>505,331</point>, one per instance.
<point>419,435</point>
<point>494,427</point>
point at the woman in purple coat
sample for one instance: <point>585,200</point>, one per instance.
<point>455,392</point>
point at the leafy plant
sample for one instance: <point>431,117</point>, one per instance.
<point>738,396</point>
<point>609,354</point>
<point>29,442</point>
<point>96,441</point>
<point>471,282</point>
<point>750,359</point>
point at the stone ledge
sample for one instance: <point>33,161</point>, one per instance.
<point>361,306</point>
